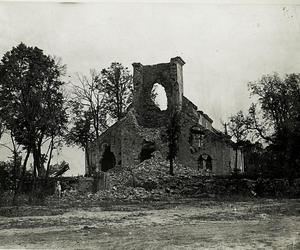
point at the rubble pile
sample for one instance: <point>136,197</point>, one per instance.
<point>175,187</point>
<point>129,194</point>
<point>193,186</point>
<point>150,180</point>
<point>149,174</point>
<point>72,198</point>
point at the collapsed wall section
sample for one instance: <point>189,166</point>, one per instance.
<point>105,152</point>
<point>169,75</point>
<point>136,139</point>
<point>124,144</point>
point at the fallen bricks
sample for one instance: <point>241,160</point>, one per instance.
<point>150,180</point>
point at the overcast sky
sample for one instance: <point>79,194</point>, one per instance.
<point>224,45</point>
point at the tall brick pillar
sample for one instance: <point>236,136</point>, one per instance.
<point>169,75</point>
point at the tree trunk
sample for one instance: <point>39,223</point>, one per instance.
<point>87,161</point>
<point>171,166</point>
<point>236,160</point>
<point>15,163</point>
<point>36,161</point>
<point>41,169</point>
<point>35,166</point>
<point>15,159</point>
<point>15,166</point>
<point>14,201</point>
<point>21,186</point>
<point>38,167</point>
<point>50,157</point>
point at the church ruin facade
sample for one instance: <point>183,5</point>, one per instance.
<point>142,131</point>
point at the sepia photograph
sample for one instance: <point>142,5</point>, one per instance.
<point>164,124</point>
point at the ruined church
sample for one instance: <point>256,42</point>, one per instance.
<point>141,132</point>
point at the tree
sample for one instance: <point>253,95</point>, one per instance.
<point>7,181</point>
<point>173,134</point>
<point>1,128</point>
<point>89,113</point>
<point>117,84</point>
<point>81,134</point>
<point>276,119</point>
<point>31,99</point>
<point>16,159</point>
<point>238,128</point>
<point>279,102</point>
<point>91,102</point>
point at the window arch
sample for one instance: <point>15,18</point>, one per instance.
<point>205,162</point>
<point>147,149</point>
<point>108,160</point>
<point>159,96</point>
<point>196,137</point>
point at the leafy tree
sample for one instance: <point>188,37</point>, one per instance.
<point>276,119</point>
<point>18,168</point>
<point>116,81</point>
<point>279,104</point>
<point>16,159</point>
<point>31,99</point>
<point>173,135</point>
<point>6,175</point>
<point>238,126</point>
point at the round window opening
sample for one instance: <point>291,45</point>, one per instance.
<point>159,96</point>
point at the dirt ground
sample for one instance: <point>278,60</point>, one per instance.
<point>184,224</point>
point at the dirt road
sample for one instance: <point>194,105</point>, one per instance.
<point>189,224</point>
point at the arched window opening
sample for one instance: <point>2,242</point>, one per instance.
<point>205,162</point>
<point>196,137</point>
<point>147,150</point>
<point>159,96</point>
<point>108,160</point>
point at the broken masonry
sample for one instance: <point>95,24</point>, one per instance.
<point>142,131</point>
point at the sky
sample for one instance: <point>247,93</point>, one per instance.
<point>225,44</point>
